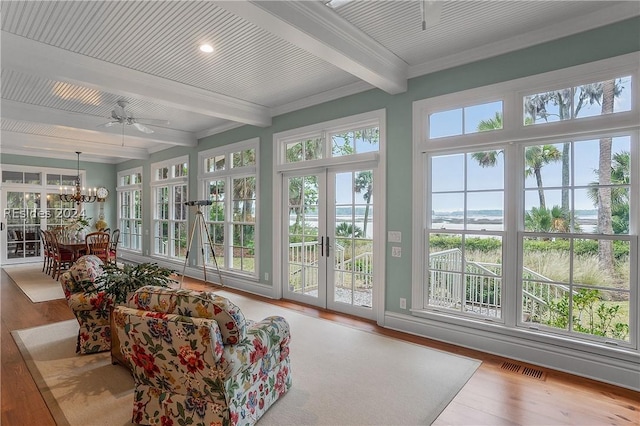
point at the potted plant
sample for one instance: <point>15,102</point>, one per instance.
<point>120,281</point>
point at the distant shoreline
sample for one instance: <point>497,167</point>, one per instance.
<point>487,221</point>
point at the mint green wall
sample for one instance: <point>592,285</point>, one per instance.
<point>98,174</point>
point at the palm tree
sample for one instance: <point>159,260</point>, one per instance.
<point>347,230</point>
<point>536,157</point>
<point>605,225</point>
<point>364,184</point>
<point>620,175</point>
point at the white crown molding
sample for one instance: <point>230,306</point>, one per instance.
<point>46,146</point>
<point>218,129</point>
<point>329,95</point>
<point>566,28</point>
<point>320,31</point>
<point>38,114</point>
<point>54,63</point>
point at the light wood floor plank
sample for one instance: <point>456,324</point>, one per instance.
<point>493,396</point>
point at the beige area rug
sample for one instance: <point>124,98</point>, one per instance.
<point>341,375</point>
<point>38,286</point>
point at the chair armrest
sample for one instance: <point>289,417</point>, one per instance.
<point>89,301</point>
<point>270,333</point>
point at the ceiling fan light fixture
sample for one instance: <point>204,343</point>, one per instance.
<point>206,48</point>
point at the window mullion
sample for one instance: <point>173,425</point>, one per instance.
<point>513,209</point>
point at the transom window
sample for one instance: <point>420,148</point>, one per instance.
<point>466,120</point>
<point>358,138</point>
<point>587,100</point>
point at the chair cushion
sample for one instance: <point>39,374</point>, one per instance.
<point>191,303</point>
<point>84,273</point>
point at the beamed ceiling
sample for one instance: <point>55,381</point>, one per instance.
<point>67,64</point>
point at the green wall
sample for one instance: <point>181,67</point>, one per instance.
<point>609,41</point>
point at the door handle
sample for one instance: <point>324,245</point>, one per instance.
<point>321,244</point>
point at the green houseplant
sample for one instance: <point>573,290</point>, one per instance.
<point>120,281</point>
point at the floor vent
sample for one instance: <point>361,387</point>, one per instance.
<point>534,373</point>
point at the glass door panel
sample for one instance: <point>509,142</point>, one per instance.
<point>306,263</point>
<point>352,225</point>
<point>22,216</point>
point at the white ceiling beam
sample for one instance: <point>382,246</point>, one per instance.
<point>37,114</point>
<point>319,30</point>
<point>47,144</point>
<point>58,64</point>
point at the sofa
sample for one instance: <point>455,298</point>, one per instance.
<point>90,305</point>
<point>197,360</point>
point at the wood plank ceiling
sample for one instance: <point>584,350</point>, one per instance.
<point>66,64</point>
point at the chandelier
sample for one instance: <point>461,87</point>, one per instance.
<point>78,194</point>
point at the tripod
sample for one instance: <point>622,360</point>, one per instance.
<point>202,227</point>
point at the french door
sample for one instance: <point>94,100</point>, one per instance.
<point>328,239</point>
<point>21,222</point>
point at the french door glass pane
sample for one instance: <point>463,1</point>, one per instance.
<point>303,234</point>
<point>353,248</point>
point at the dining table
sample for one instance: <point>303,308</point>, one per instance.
<point>76,246</point>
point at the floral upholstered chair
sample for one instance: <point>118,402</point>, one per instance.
<point>196,359</point>
<point>89,305</point>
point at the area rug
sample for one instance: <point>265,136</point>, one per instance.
<point>341,375</point>
<point>38,286</point>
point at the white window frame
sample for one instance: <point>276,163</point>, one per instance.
<point>131,190</point>
<point>171,182</point>
<point>280,166</point>
<point>228,174</point>
<point>514,131</point>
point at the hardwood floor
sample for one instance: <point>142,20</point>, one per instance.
<point>493,396</point>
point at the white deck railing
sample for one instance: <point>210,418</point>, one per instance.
<point>482,289</point>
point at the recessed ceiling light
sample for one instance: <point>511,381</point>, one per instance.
<point>207,48</point>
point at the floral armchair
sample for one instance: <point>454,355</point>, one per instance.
<point>197,360</point>
<point>90,307</point>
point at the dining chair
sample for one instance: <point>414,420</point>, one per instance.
<point>113,246</point>
<point>61,258</point>
<point>97,243</point>
<point>46,250</point>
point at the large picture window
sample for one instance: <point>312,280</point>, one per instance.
<point>229,180</point>
<point>169,185</point>
<point>129,192</point>
<point>528,227</point>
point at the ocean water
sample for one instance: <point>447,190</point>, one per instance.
<point>490,220</point>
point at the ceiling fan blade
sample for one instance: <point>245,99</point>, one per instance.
<point>109,124</point>
<point>142,128</point>
<point>154,121</point>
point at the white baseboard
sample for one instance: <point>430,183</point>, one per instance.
<point>623,371</point>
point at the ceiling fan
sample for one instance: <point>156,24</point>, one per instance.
<point>121,115</point>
